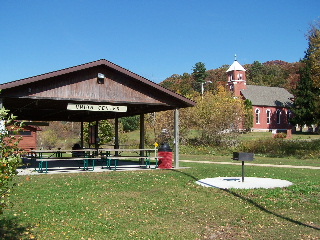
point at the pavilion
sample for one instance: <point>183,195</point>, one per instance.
<point>91,92</point>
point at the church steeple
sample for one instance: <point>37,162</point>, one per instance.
<point>236,77</point>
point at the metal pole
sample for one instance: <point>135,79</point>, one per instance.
<point>142,138</point>
<point>176,138</point>
<point>242,171</point>
<point>202,90</point>
<point>116,135</point>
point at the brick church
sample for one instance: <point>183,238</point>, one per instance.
<point>270,105</point>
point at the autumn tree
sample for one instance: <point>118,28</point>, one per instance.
<point>181,84</point>
<point>217,118</point>
<point>59,135</point>
<point>271,73</point>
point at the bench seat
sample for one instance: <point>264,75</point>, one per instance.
<point>115,159</point>
<point>43,162</point>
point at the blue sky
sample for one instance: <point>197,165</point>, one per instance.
<point>154,39</point>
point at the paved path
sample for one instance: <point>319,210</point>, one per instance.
<point>253,164</point>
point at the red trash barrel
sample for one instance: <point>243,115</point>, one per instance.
<point>165,156</point>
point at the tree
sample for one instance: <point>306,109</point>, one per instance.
<point>304,101</point>
<point>130,123</point>
<point>313,53</point>
<point>105,132</point>
<point>255,73</point>
<point>200,74</point>
<point>59,135</point>
<point>9,155</point>
<point>306,106</point>
<point>313,59</point>
<point>248,116</point>
<point>182,84</point>
<point>217,117</point>
<point>271,73</point>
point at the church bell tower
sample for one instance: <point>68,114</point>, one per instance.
<point>236,77</point>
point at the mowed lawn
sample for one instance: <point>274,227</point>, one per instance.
<point>164,204</point>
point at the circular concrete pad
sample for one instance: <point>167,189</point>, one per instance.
<point>248,183</point>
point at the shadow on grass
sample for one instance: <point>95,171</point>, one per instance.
<point>10,229</point>
<point>254,203</point>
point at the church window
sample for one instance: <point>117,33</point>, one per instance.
<point>278,116</point>
<point>258,116</point>
<point>268,116</point>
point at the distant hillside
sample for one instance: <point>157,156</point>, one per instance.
<point>275,73</point>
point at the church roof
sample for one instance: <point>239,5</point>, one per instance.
<point>268,96</point>
<point>235,66</point>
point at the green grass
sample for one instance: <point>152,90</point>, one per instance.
<point>163,204</point>
<point>257,159</point>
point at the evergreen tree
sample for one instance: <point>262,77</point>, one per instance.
<point>314,53</point>
<point>305,95</point>
<point>130,123</point>
<point>307,107</point>
<point>200,74</point>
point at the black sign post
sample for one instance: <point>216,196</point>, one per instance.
<point>242,156</point>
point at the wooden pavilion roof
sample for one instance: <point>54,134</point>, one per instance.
<point>45,97</point>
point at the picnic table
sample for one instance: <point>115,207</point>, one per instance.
<point>114,155</point>
<point>42,157</point>
<point>89,155</point>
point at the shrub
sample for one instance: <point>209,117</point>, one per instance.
<point>9,156</point>
<point>279,147</point>
<point>280,135</point>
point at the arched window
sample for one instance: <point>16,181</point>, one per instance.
<point>268,116</point>
<point>278,116</point>
<point>258,116</point>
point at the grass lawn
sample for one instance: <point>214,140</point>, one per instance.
<point>163,204</point>
<point>257,159</point>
